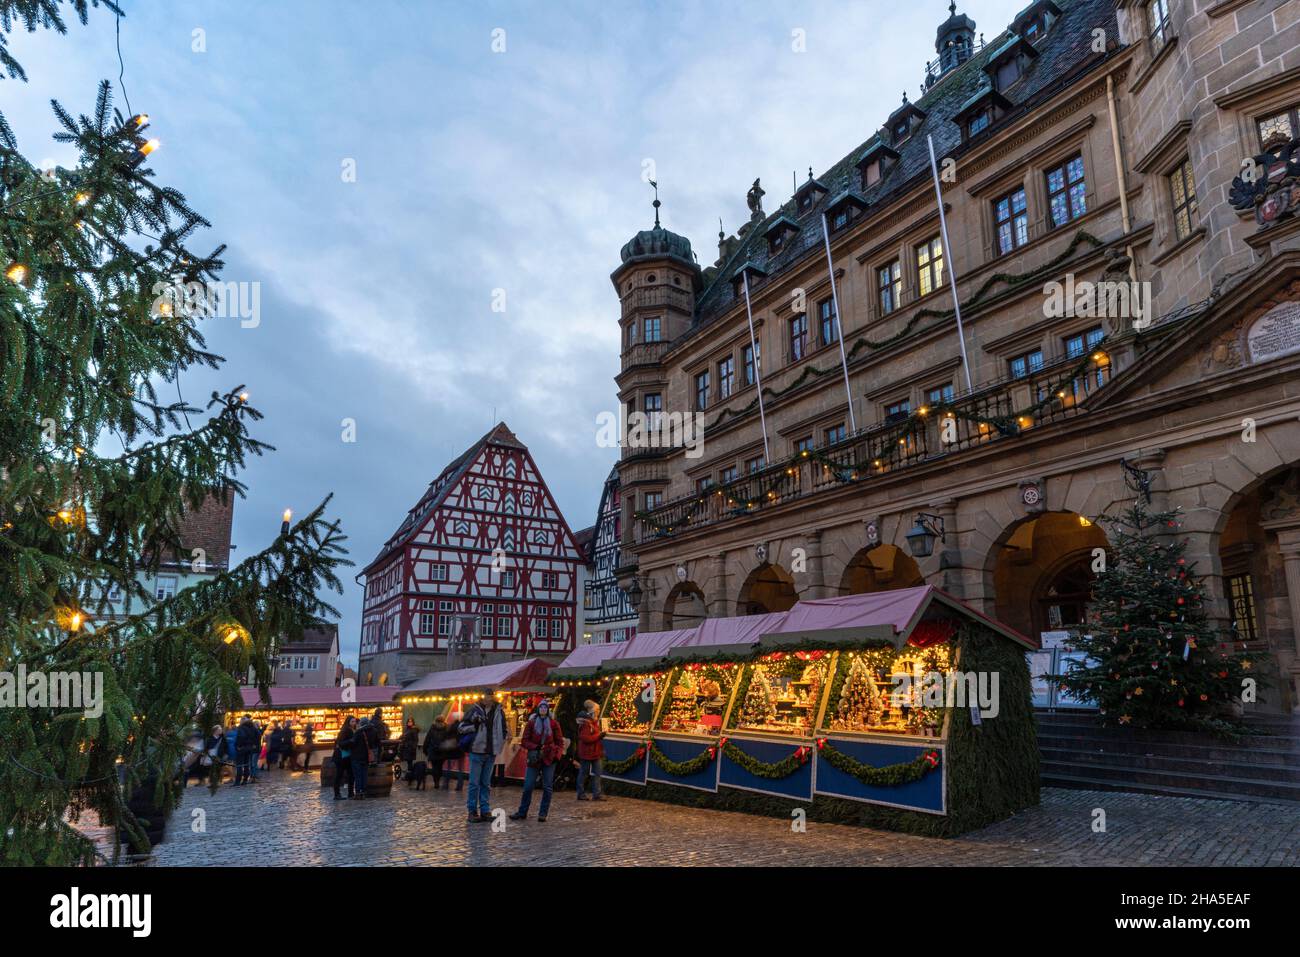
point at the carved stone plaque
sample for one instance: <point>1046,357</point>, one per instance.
<point>1276,333</point>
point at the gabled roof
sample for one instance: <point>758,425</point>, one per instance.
<point>499,434</point>
<point>503,676</point>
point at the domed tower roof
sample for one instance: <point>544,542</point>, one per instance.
<point>957,23</point>
<point>657,243</point>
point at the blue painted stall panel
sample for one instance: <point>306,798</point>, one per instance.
<point>926,794</point>
<point>704,780</point>
<point>799,784</point>
<point>617,749</point>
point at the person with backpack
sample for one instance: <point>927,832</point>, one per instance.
<point>482,735</point>
<point>591,750</point>
<point>342,757</point>
<point>543,742</point>
<point>248,739</point>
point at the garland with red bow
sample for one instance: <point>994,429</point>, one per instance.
<point>626,764</point>
<point>774,771</point>
<point>891,775</point>
<point>683,769</point>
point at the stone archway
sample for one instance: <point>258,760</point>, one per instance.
<point>768,588</point>
<point>882,568</point>
<point>1042,571</point>
<point>685,606</point>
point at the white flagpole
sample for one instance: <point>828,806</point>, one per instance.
<point>947,261</point>
<point>758,376</point>
<point>839,323</point>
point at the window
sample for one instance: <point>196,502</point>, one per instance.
<point>1285,122</point>
<point>940,395</point>
<point>871,175</point>
<point>444,625</point>
<point>651,329</point>
<point>438,572</point>
<point>747,359</point>
<point>901,129</point>
<point>728,475</point>
<point>1158,17</point>
<point>113,592</point>
<point>803,445</point>
<point>1183,191</point>
<point>897,411</point>
<point>1026,364</point>
<point>426,620</point>
<point>798,337</point>
<point>702,391</point>
<point>826,316</point>
<point>704,484</point>
<point>550,580</point>
<point>1012,221</point>
<point>1241,607</point>
<point>835,433</point>
<point>539,627</point>
<point>653,500</point>
<point>889,281</point>
<point>841,218</point>
<point>164,587</point>
<point>755,465</point>
<point>503,627</point>
<point>1066,191</point>
<point>654,407</point>
<point>487,628</point>
<point>726,376</point>
<point>979,122</point>
<point>631,333</point>
<point>508,579</point>
<point>1077,345</point>
<point>929,265</point>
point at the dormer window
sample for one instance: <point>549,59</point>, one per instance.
<point>981,111</point>
<point>1008,62</point>
<point>805,198</point>
<point>843,208</point>
<point>875,162</point>
<point>901,130</point>
<point>979,122</point>
<point>840,219</point>
<point>779,233</point>
<point>1036,19</point>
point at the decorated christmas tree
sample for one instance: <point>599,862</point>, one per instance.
<point>859,696</point>
<point>97,474</point>
<point>1153,659</point>
<point>621,707</point>
<point>758,707</point>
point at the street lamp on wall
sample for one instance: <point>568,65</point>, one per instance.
<point>634,593</point>
<point>920,540</point>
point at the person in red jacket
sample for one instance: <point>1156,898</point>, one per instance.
<point>591,750</point>
<point>544,744</point>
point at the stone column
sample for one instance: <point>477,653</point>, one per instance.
<point>1288,541</point>
<point>816,571</point>
<point>948,568</point>
<point>717,602</point>
<point>1153,461</point>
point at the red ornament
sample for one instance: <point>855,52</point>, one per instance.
<point>821,743</point>
<point>932,758</point>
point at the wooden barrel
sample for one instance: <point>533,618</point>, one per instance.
<point>379,780</point>
<point>327,770</point>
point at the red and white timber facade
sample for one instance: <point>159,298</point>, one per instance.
<point>485,540</point>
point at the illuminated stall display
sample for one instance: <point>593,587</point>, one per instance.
<point>781,693</point>
<point>695,698</point>
<point>323,708</point>
<point>889,691</point>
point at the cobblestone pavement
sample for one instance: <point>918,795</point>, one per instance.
<point>287,819</point>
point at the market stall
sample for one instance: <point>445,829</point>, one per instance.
<point>323,708</point>
<point>517,685</point>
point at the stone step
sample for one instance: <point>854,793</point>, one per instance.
<point>1076,781</point>
<point>1093,732</point>
<point>1173,764</point>
<point>1208,751</point>
<point>1128,778</point>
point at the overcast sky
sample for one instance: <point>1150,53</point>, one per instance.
<point>476,171</point>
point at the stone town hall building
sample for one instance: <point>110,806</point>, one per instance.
<point>1093,139</point>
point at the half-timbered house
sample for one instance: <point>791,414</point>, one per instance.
<point>608,613</point>
<point>483,568</point>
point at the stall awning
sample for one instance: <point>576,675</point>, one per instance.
<point>646,651</point>
<point>727,637</point>
<point>519,674</point>
<point>318,697</point>
<point>878,616</point>
<point>584,660</point>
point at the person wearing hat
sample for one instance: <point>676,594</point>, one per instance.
<point>485,727</point>
<point>591,750</point>
<point>543,742</point>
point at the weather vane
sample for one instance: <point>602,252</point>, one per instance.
<point>656,203</point>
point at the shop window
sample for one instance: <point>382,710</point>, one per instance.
<point>702,391</point>
<point>1285,122</point>
<point>781,693</point>
<point>889,284</point>
<point>1241,607</point>
<point>1158,23</point>
<point>695,699</point>
<point>1026,364</point>
<point>630,704</point>
<point>929,265</point>
<point>1182,190</point>
<point>726,376</point>
<point>888,691</point>
<point>1067,191</point>
<point>1012,221</point>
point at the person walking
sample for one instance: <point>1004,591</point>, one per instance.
<point>214,747</point>
<point>342,757</point>
<point>287,745</point>
<point>364,745</point>
<point>247,740</point>
<point>434,755</point>
<point>308,739</point>
<point>485,728</point>
<point>591,750</point>
<point>543,742</point>
<point>409,747</point>
<point>274,744</point>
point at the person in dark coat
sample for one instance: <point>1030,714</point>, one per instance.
<point>287,745</point>
<point>248,740</point>
<point>382,731</point>
<point>409,748</point>
<point>308,739</point>
<point>274,744</point>
<point>342,757</point>
<point>433,749</point>
<point>365,747</point>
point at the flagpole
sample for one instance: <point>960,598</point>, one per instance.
<point>839,323</point>
<point>758,376</point>
<point>947,257</point>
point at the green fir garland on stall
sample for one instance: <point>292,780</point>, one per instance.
<point>626,764</point>
<point>682,769</point>
<point>773,771</point>
<point>891,775</point>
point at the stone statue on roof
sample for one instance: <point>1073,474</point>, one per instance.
<point>755,200</point>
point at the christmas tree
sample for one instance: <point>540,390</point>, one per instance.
<point>859,695</point>
<point>758,707</point>
<point>621,707</point>
<point>85,340</point>
<point>1153,659</point>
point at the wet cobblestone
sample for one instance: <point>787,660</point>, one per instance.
<point>287,819</point>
